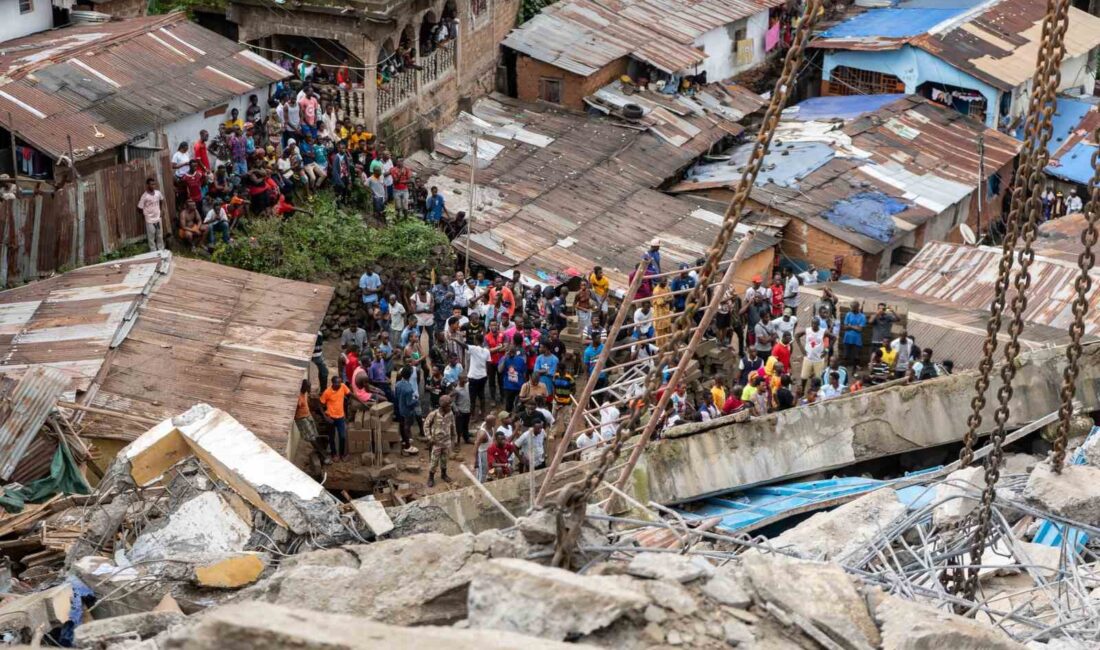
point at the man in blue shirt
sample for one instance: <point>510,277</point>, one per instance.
<point>547,364</point>
<point>513,372</point>
<point>681,283</point>
<point>370,288</point>
<point>436,207</point>
<point>407,403</point>
<point>591,354</point>
<point>854,322</point>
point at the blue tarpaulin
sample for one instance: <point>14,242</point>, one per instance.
<point>902,21</point>
<point>870,214</point>
<point>1068,113</point>
<point>844,107</point>
<point>1074,165</point>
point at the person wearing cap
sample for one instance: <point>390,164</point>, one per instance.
<point>152,207</point>
<point>1073,203</point>
<point>654,257</point>
<point>440,429</point>
<point>757,288</point>
<point>217,221</point>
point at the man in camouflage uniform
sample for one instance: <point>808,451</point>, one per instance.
<point>440,427</point>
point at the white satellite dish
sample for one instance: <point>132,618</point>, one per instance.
<point>968,234</point>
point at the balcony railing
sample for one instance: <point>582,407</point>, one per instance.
<point>398,90</point>
<point>438,63</point>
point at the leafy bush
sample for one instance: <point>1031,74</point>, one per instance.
<point>332,242</point>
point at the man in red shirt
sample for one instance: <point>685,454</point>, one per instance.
<point>194,180</point>
<point>507,297</point>
<point>497,342</point>
<point>309,107</point>
<point>200,151</point>
<point>401,176</point>
<point>499,456</point>
<point>782,350</point>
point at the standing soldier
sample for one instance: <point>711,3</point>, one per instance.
<point>440,426</point>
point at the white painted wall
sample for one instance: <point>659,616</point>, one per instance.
<point>187,129</point>
<point>718,43</point>
<point>14,24</point>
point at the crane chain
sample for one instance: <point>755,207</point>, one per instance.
<point>1083,285</point>
<point>573,500</point>
<point>1052,51</point>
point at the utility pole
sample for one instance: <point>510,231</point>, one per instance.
<point>473,197</point>
<point>981,181</point>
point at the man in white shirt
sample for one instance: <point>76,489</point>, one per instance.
<point>387,176</point>
<point>833,388</point>
<point>811,342</point>
<point>477,359</point>
<point>643,325</point>
<point>609,421</point>
<point>151,207</point>
<point>397,318</point>
<point>463,293</point>
<point>903,346</point>
<point>790,291</point>
<point>1073,203</point>
<point>218,221</point>
<point>785,324</point>
<point>809,276</point>
<point>586,441</point>
<point>532,443</point>
<point>181,160</point>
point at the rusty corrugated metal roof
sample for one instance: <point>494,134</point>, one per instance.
<point>104,85</point>
<point>23,411</point>
<point>911,149</point>
<point>965,276</point>
<point>582,36</point>
<point>210,333</point>
<point>585,197</point>
<point>998,44</point>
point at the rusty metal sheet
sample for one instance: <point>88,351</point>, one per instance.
<point>582,36</point>
<point>90,82</point>
<point>23,411</point>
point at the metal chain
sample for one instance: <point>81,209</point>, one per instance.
<point>1051,52</point>
<point>1083,284</point>
<point>573,500</point>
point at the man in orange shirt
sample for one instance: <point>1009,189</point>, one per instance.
<point>333,400</point>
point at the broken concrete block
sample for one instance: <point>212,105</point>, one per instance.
<point>1074,494</point>
<point>205,524</point>
<point>911,626</point>
<point>821,593</point>
<point>1019,463</point>
<point>835,534</point>
<point>727,590</point>
<point>524,597</point>
<point>101,633</point>
<point>373,515</point>
<point>671,595</point>
<point>953,506</point>
<point>43,610</point>
<point>230,572</point>
<point>419,580</point>
<point>668,566</point>
<point>255,626</point>
<point>539,527</point>
<point>255,471</point>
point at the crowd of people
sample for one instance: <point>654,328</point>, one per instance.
<point>261,164</point>
<point>474,361</point>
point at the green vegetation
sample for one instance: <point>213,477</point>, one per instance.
<point>528,9</point>
<point>157,7</point>
<point>331,242</point>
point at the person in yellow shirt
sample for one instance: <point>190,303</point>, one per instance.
<point>600,286</point>
<point>234,121</point>
<point>718,393</point>
<point>333,400</point>
<point>889,355</point>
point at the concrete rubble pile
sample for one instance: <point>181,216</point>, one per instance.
<point>200,537</point>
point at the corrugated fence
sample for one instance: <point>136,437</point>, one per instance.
<point>96,214</point>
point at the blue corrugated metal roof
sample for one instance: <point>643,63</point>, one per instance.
<point>839,107</point>
<point>892,22</point>
<point>1068,113</point>
<point>760,506</point>
<point>1075,165</point>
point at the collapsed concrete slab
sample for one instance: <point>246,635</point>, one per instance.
<point>100,634</point>
<point>255,471</point>
<point>1074,494</point>
<point>256,626</point>
<point>205,524</point>
<point>420,580</point>
<point>835,534</point>
<point>520,596</point>
<point>702,459</point>
<point>911,626</point>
